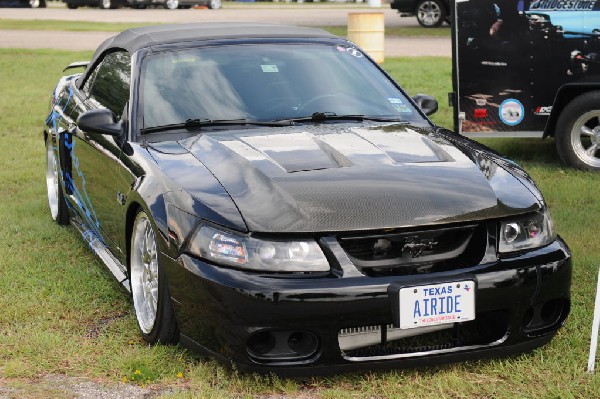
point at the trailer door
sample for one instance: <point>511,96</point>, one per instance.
<point>510,59</point>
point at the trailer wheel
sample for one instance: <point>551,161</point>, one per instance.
<point>578,132</point>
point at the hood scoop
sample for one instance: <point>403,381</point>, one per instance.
<point>293,152</point>
<point>303,152</point>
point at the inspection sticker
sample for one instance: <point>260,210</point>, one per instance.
<point>269,68</point>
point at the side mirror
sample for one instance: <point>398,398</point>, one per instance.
<point>101,121</point>
<point>428,104</point>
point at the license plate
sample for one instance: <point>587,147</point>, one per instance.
<point>430,305</point>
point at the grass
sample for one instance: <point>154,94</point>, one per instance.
<point>62,312</point>
<point>85,26</point>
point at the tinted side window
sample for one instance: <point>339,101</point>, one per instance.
<point>110,87</point>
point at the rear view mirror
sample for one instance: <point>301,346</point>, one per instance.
<point>101,121</point>
<point>428,104</point>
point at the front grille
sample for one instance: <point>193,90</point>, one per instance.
<point>409,252</point>
<point>489,328</point>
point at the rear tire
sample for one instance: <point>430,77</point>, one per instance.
<point>56,200</point>
<point>430,13</point>
<point>577,134</point>
<point>151,298</point>
<point>71,6</point>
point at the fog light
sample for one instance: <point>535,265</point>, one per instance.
<point>261,343</point>
<point>282,346</point>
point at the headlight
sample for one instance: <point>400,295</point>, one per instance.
<point>254,254</point>
<point>528,232</point>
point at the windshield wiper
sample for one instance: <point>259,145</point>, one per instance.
<point>330,116</point>
<point>205,122</point>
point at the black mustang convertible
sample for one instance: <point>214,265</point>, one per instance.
<point>272,198</point>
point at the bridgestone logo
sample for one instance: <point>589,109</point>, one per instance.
<point>563,5</point>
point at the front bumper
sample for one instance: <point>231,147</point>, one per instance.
<point>521,302</point>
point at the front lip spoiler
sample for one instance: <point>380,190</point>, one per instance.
<point>310,370</point>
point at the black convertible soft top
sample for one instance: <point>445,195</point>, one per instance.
<point>147,36</point>
<point>136,38</point>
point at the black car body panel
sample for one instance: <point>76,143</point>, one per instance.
<point>391,205</point>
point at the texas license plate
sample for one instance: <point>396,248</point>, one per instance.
<point>429,305</point>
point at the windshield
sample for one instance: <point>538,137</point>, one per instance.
<point>266,82</point>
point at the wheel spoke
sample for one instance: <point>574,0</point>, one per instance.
<point>591,151</point>
<point>586,131</point>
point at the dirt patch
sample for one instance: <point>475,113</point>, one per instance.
<point>62,387</point>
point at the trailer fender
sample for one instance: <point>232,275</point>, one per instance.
<point>564,96</point>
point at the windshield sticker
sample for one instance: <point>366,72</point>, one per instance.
<point>349,50</point>
<point>511,112</point>
<point>179,60</point>
<point>403,109</point>
<point>269,68</point>
<point>394,100</point>
<point>354,52</point>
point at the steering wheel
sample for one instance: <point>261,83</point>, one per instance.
<point>341,102</point>
<point>323,97</point>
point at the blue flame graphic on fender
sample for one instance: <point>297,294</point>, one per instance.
<point>69,163</point>
<point>80,195</point>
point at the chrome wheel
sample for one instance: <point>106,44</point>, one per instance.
<point>585,138</point>
<point>52,181</point>
<point>34,3</point>
<point>172,4</point>
<point>429,13</point>
<point>214,4</point>
<point>144,273</point>
<point>105,4</point>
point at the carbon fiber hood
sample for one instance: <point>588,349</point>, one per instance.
<point>340,177</point>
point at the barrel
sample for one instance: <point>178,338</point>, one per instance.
<point>367,31</point>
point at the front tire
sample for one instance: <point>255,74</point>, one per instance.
<point>56,200</point>
<point>578,132</point>
<point>72,6</point>
<point>430,13</point>
<point>151,298</point>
